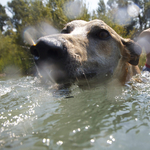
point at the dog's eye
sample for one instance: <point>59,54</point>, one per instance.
<point>64,31</point>
<point>68,29</point>
<point>103,34</point>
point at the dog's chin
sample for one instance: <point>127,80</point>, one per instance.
<point>54,76</point>
<point>59,76</point>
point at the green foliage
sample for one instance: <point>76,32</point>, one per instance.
<point>12,54</point>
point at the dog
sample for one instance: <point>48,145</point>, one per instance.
<point>84,50</point>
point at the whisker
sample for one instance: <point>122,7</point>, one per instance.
<point>77,79</point>
<point>85,77</point>
<point>79,59</point>
<point>48,73</point>
<point>38,70</point>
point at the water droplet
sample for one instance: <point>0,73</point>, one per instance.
<point>44,140</point>
<point>9,114</point>
<point>92,140</point>
<point>79,129</point>
<point>109,142</point>
<point>74,131</point>
<point>79,120</point>
<point>86,127</point>
<point>48,140</point>
<point>59,143</point>
<point>111,137</point>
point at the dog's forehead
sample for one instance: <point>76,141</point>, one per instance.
<point>84,25</point>
<point>77,23</point>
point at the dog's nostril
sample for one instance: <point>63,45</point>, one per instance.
<point>34,51</point>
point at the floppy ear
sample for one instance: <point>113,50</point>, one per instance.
<point>134,50</point>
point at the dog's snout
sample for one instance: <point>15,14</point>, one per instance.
<point>46,49</point>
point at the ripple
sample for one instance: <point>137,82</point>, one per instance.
<point>33,115</point>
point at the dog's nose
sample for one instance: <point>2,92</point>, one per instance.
<point>49,49</point>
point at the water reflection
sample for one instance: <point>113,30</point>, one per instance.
<point>34,116</point>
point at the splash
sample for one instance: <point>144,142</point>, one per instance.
<point>124,16</point>
<point>144,43</point>
<point>32,34</point>
<point>46,29</point>
<point>133,10</point>
<point>73,9</point>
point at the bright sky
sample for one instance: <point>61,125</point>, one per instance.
<point>91,4</point>
<point>4,2</point>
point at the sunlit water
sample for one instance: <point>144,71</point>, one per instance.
<point>36,117</point>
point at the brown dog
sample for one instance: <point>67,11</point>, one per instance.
<point>84,50</point>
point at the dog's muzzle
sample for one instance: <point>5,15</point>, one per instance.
<point>50,57</point>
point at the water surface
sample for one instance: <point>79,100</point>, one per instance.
<point>34,116</point>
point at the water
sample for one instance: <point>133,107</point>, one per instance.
<point>36,117</point>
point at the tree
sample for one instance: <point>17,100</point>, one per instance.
<point>3,18</point>
<point>118,3</point>
<point>101,8</point>
<point>19,10</point>
<point>12,54</point>
<point>144,16</point>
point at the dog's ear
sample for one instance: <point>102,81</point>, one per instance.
<point>133,50</point>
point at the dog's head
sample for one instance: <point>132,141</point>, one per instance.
<point>83,49</point>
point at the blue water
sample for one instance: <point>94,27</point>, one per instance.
<point>34,116</point>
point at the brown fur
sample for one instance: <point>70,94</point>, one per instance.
<point>95,48</point>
